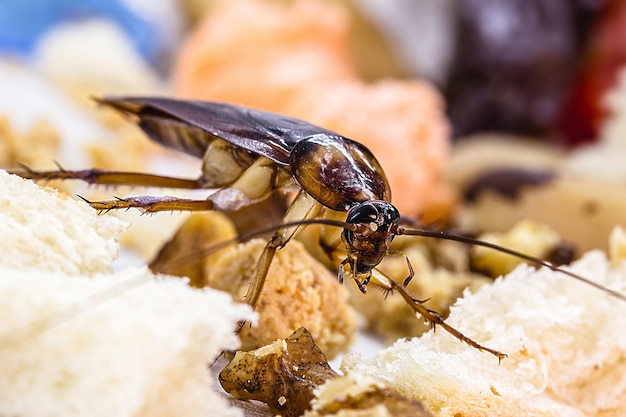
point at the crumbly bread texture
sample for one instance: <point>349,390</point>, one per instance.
<point>298,292</point>
<point>565,340</point>
<point>41,228</point>
<point>78,340</point>
<point>128,344</point>
<point>363,396</point>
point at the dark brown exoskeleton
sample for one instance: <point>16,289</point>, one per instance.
<point>247,154</point>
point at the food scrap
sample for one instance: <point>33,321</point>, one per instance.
<point>299,292</point>
<point>364,396</point>
<point>284,374</point>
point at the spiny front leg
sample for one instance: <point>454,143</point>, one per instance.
<point>408,279</point>
<point>434,318</point>
<point>341,272</point>
<point>363,284</point>
<point>151,204</point>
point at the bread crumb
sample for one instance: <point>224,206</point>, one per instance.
<point>128,344</point>
<point>43,229</point>
<point>617,246</point>
<point>563,205</point>
<point>363,396</point>
<point>527,236</point>
<point>298,292</point>
<point>76,339</point>
<point>564,340</point>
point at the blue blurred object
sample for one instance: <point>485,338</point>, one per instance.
<point>23,22</point>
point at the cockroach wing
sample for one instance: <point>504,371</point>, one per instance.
<point>338,172</point>
<point>189,126</point>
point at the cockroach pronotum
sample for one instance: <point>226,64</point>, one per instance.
<point>247,154</point>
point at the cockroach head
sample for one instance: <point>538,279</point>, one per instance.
<point>378,214</point>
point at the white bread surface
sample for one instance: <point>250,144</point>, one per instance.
<point>119,345</point>
<point>43,229</point>
<point>566,343</point>
<point>79,340</point>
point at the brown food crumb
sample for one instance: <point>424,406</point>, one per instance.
<point>364,396</point>
<point>283,375</point>
<point>299,292</point>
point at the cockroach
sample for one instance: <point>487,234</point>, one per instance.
<point>247,154</point>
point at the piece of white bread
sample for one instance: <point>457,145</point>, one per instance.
<point>566,344</point>
<point>78,340</point>
<point>128,344</point>
<point>41,228</point>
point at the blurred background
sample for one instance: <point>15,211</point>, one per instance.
<point>526,67</point>
<point>531,85</point>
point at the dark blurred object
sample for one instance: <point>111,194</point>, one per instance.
<point>513,63</point>
<point>562,254</point>
<point>284,375</point>
<point>507,182</point>
<point>584,111</point>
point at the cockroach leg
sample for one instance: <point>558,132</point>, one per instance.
<point>434,318</point>
<point>303,207</point>
<point>341,270</point>
<point>361,284</point>
<point>257,282</point>
<point>408,279</point>
<point>151,204</point>
<point>105,177</point>
<point>365,281</point>
<point>411,272</point>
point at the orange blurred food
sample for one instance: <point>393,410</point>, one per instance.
<point>293,58</point>
<point>401,122</point>
<point>250,52</point>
